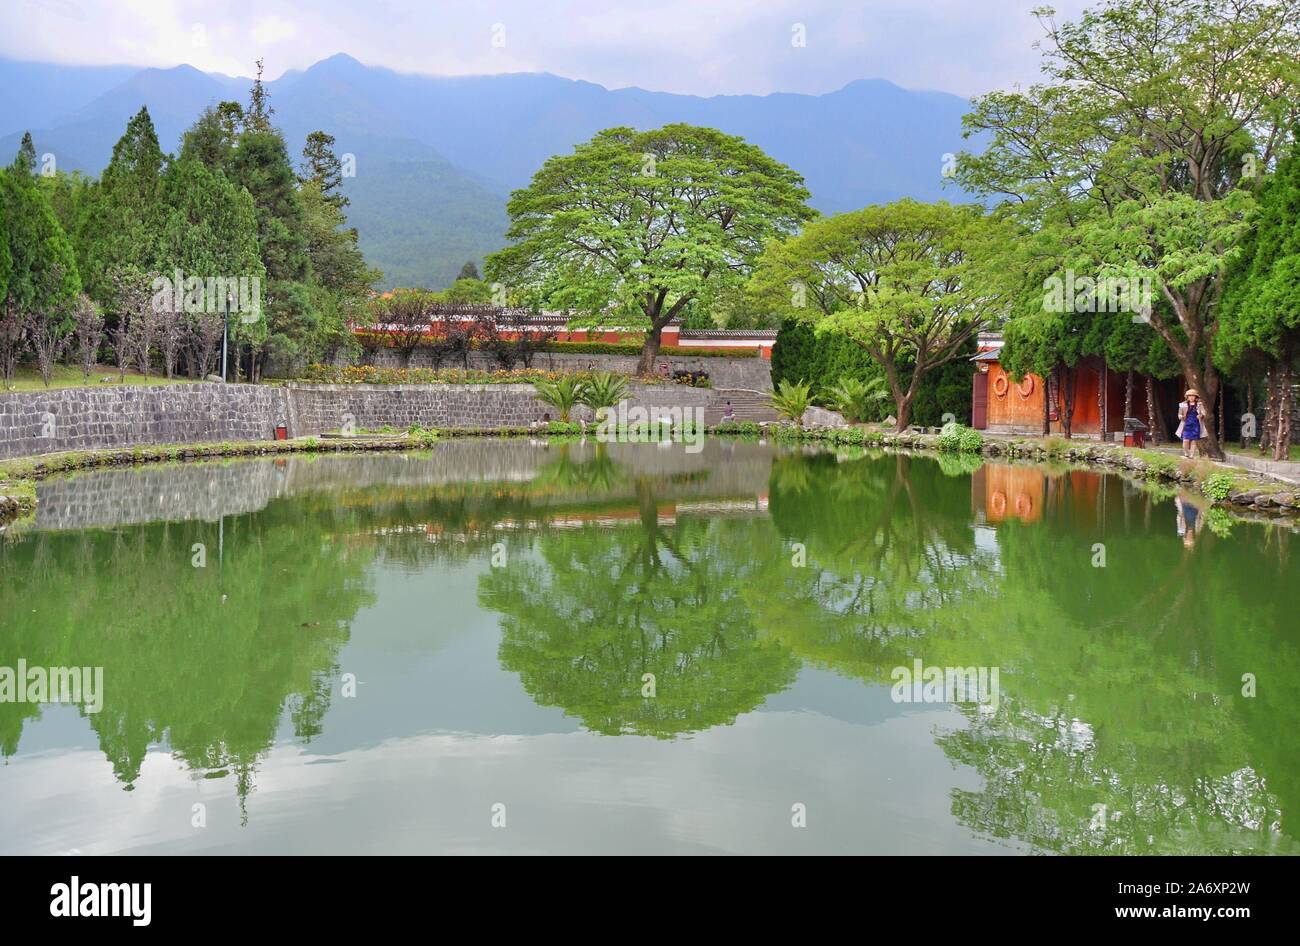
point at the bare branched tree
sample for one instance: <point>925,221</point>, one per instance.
<point>88,332</point>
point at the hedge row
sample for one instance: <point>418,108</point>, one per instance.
<point>584,348</point>
<point>801,355</point>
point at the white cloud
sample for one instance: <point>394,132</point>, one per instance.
<point>271,30</point>
<point>725,46</point>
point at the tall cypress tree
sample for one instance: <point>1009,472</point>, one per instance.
<point>40,275</point>
<point>125,213</point>
<point>261,164</point>
<point>322,167</point>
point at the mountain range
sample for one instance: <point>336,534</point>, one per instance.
<point>436,157</point>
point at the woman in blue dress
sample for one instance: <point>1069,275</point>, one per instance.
<point>1191,427</point>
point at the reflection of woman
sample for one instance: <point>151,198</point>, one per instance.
<point>1191,429</point>
<point>1190,520</point>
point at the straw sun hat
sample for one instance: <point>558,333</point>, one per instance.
<point>1192,392</point>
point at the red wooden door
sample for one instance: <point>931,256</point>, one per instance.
<point>980,402</point>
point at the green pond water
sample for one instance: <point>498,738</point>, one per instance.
<point>519,647</point>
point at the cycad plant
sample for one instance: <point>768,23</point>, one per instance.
<point>854,397</point>
<point>563,394</point>
<point>792,400</point>
<point>604,389</point>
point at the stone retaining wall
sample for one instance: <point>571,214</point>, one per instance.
<point>38,422</point>
<point>34,422</point>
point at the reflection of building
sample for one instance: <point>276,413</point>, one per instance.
<point>1000,492</point>
<point>1000,404</point>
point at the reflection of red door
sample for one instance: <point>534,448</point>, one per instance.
<point>980,402</point>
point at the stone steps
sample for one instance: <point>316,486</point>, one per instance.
<point>747,405</point>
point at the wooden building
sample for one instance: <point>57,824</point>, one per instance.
<point>1002,405</point>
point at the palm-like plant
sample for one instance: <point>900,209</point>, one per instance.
<point>563,394</point>
<point>854,397</point>
<point>604,389</point>
<point>792,400</point>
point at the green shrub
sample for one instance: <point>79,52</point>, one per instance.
<point>371,340</point>
<point>856,399</point>
<point>603,389</point>
<point>564,393</point>
<point>1218,485</point>
<point>742,428</point>
<point>957,438</point>
<point>563,428</point>
<point>791,400</point>
<point>801,354</point>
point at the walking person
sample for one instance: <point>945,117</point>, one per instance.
<point>1191,426</point>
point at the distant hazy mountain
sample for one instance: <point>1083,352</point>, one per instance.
<point>437,156</point>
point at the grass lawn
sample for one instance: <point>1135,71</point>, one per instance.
<point>28,378</point>
<point>1254,451</point>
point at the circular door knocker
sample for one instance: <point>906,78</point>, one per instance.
<point>1000,385</point>
<point>1025,388</point>
<point>1024,506</point>
<point>999,503</point>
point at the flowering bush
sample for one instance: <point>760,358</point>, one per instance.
<point>369,374</point>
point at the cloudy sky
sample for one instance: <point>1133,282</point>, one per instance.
<point>703,47</point>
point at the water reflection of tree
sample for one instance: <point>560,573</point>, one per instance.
<point>888,547</point>
<point>598,609</point>
<point>1122,685</point>
<point>212,679</point>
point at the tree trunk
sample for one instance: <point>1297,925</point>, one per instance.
<point>1128,394</point>
<point>1222,411</point>
<point>903,405</point>
<point>645,368</point>
<point>1250,409</point>
<point>1047,407</point>
<point>1156,432</point>
<point>1282,440</point>
<point>1270,410</point>
<point>1104,404</point>
<point>1065,399</point>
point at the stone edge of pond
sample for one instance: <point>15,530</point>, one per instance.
<point>1245,491</point>
<point>1248,491</point>
<point>18,476</point>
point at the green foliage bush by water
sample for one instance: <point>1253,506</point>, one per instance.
<point>858,399</point>
<point>792,399</point>
<point>742,428</point>
<point>1218,485</point>
<point>956,438</point>
<point>824,361</point>
<point>603,389</point>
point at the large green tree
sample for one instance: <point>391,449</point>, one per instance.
<point>210,233</point>
<point>903,281</point>
<point>261,165</point>
<point>635,226</point>
<point>38,269</point>
<point>1151,114</point>
<point>125,213</point>
<point>1261,308</point>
